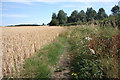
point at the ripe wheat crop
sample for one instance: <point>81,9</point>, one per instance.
<point>19,43</point>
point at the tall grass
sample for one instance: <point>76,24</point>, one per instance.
<point>95,52</point>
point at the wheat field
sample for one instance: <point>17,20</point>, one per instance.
<point>19,43</point>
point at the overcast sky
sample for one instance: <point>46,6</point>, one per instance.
<point>40,11</point>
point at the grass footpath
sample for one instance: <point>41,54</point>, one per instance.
<point>42,63</point>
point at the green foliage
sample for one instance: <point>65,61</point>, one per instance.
<point>74,23</point>
<point>85,68</point>
<point>73,16</point>
<point>115,9</point>
<point>81,16</point>
<point>95,52</point>
<point>77,17</point>
<point>111,21</point>
<point>83,64</point>
<point>101,14</point>
<point>62,17</point>
<point>54,22</point>
<point>54,16</point>
<point>70,24</point>
<point>118,21</point>
<point>91,14</point>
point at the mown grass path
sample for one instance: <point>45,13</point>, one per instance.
<point>62,69</point>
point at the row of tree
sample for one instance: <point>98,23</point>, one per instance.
<point>61,18</point>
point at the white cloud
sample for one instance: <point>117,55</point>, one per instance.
<point>15,15</point>
<point>17,0</point>
<point>29,2</point>
<point>70,5</point>
<point>54,1</point>
<point>77,0</point>
<point>76,6</point>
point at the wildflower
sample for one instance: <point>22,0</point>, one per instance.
<point>92,50</point>
<point>81,41</point>
<point>96,30</point>
<point>74,74</point>
<point>88,38</point>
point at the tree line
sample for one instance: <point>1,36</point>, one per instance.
<point>23,25</point>
<point>82,17</point>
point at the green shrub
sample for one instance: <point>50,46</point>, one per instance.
<point>95,52</point>
<point>85,68</point>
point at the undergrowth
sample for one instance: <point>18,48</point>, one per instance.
<point>95,52</point>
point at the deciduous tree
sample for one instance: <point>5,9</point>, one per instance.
<point>62,17</point>
<point>73,17</point>
<point>101,14</point>
<point>81,16</point>
<point>91,14</point>
<point>115,9</point>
